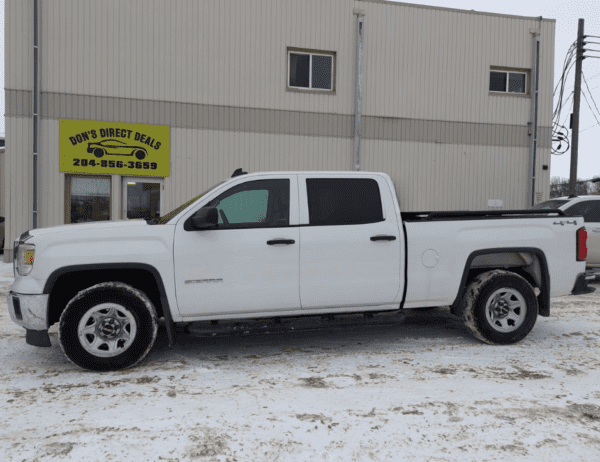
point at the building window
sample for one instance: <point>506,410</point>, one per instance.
<point>311,70</point>
<point>87,199</point>
<point>142,197</point>
<point>506,80</point>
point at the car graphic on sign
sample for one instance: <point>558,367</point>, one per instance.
<point>116,148</point>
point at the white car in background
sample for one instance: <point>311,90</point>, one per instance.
<point>589,208</point>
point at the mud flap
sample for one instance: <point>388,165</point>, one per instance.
<point>39,338</point>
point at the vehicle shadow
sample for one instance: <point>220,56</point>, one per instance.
<point>419,329</point>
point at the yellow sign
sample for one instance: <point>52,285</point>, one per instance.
<point>114,148</point>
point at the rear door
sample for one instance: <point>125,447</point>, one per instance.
<point>350,252</point>
<point>590,210</point>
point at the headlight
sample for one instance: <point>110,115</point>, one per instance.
<point>25,257</point>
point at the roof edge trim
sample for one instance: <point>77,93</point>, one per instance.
<point>457,10</point>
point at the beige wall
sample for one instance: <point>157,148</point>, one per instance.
<point>421,63</point>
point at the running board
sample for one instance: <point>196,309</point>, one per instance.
<point>298,324</point>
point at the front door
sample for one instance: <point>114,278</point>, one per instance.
<point>142,197</point>
<point>249,263</point>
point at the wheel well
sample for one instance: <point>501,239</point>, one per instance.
<point>69,284</point>
<point>522,263</point>
<point>474,272</point>
<point>525,263</point>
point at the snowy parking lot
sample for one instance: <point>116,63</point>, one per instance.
<point>424,390</point>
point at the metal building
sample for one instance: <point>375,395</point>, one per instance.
<point>127,108</point>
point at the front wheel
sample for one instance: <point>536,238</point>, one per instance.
<point>500,307</point>
<point>107,327</point>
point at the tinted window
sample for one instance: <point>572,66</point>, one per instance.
<point>343,201</point>
<point>299,70</point>
<point>588,209</point>
<point>551,204</point>
<point>254,204</point>
<point>497,81</point>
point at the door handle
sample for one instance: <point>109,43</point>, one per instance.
<point>281,241</point>
<point>596,230</point>
<point>383,238</point>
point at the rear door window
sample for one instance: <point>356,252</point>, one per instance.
<point>343,201</point>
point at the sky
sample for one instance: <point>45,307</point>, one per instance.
<point>566,13</point>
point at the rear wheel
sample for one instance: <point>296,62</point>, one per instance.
<point>500,307</point>
<point>140,154</point>
<point>107,327</point>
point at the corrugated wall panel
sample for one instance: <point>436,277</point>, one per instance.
<point>201,163</point>
<point>18,43</point>
<point>450,177</point>
<point>419,62</point>
<point>447,56</point>
<point>17,187</point>
<point>51,206</point>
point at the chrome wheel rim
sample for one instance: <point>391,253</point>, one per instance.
<point>505,310</point>
<point>107,330</point>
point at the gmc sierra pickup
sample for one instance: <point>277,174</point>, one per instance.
<point>288,244</point>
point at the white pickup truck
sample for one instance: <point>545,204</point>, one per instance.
<point>288,244</point>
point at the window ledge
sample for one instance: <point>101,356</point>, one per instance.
<point>502,93</point>
<point>308,90</point>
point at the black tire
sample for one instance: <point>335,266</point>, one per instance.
<point>140,154</point>
<point>99,152</point>
<point>498,322</point>
<point>130,330</point>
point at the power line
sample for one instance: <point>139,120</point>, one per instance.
<point>588,103</point>
<point>591,96</point>
<point>592,126</point>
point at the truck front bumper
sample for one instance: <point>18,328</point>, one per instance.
<point>30,312</point>
<point>581,283</point>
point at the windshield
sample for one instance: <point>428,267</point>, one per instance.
<point>551,204</point>
<point>164,219</point>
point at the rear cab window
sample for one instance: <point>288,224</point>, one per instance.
<point>343,201</point>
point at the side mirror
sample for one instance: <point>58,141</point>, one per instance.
<point>205,218</point>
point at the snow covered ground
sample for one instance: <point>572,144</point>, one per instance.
<point>421,391</point>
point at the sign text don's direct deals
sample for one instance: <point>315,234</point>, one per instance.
<point>114,133</point>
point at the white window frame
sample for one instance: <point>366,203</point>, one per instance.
<point>508,81</point>
<point>310,74</point>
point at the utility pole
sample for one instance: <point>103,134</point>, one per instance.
<point>576,101</point>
